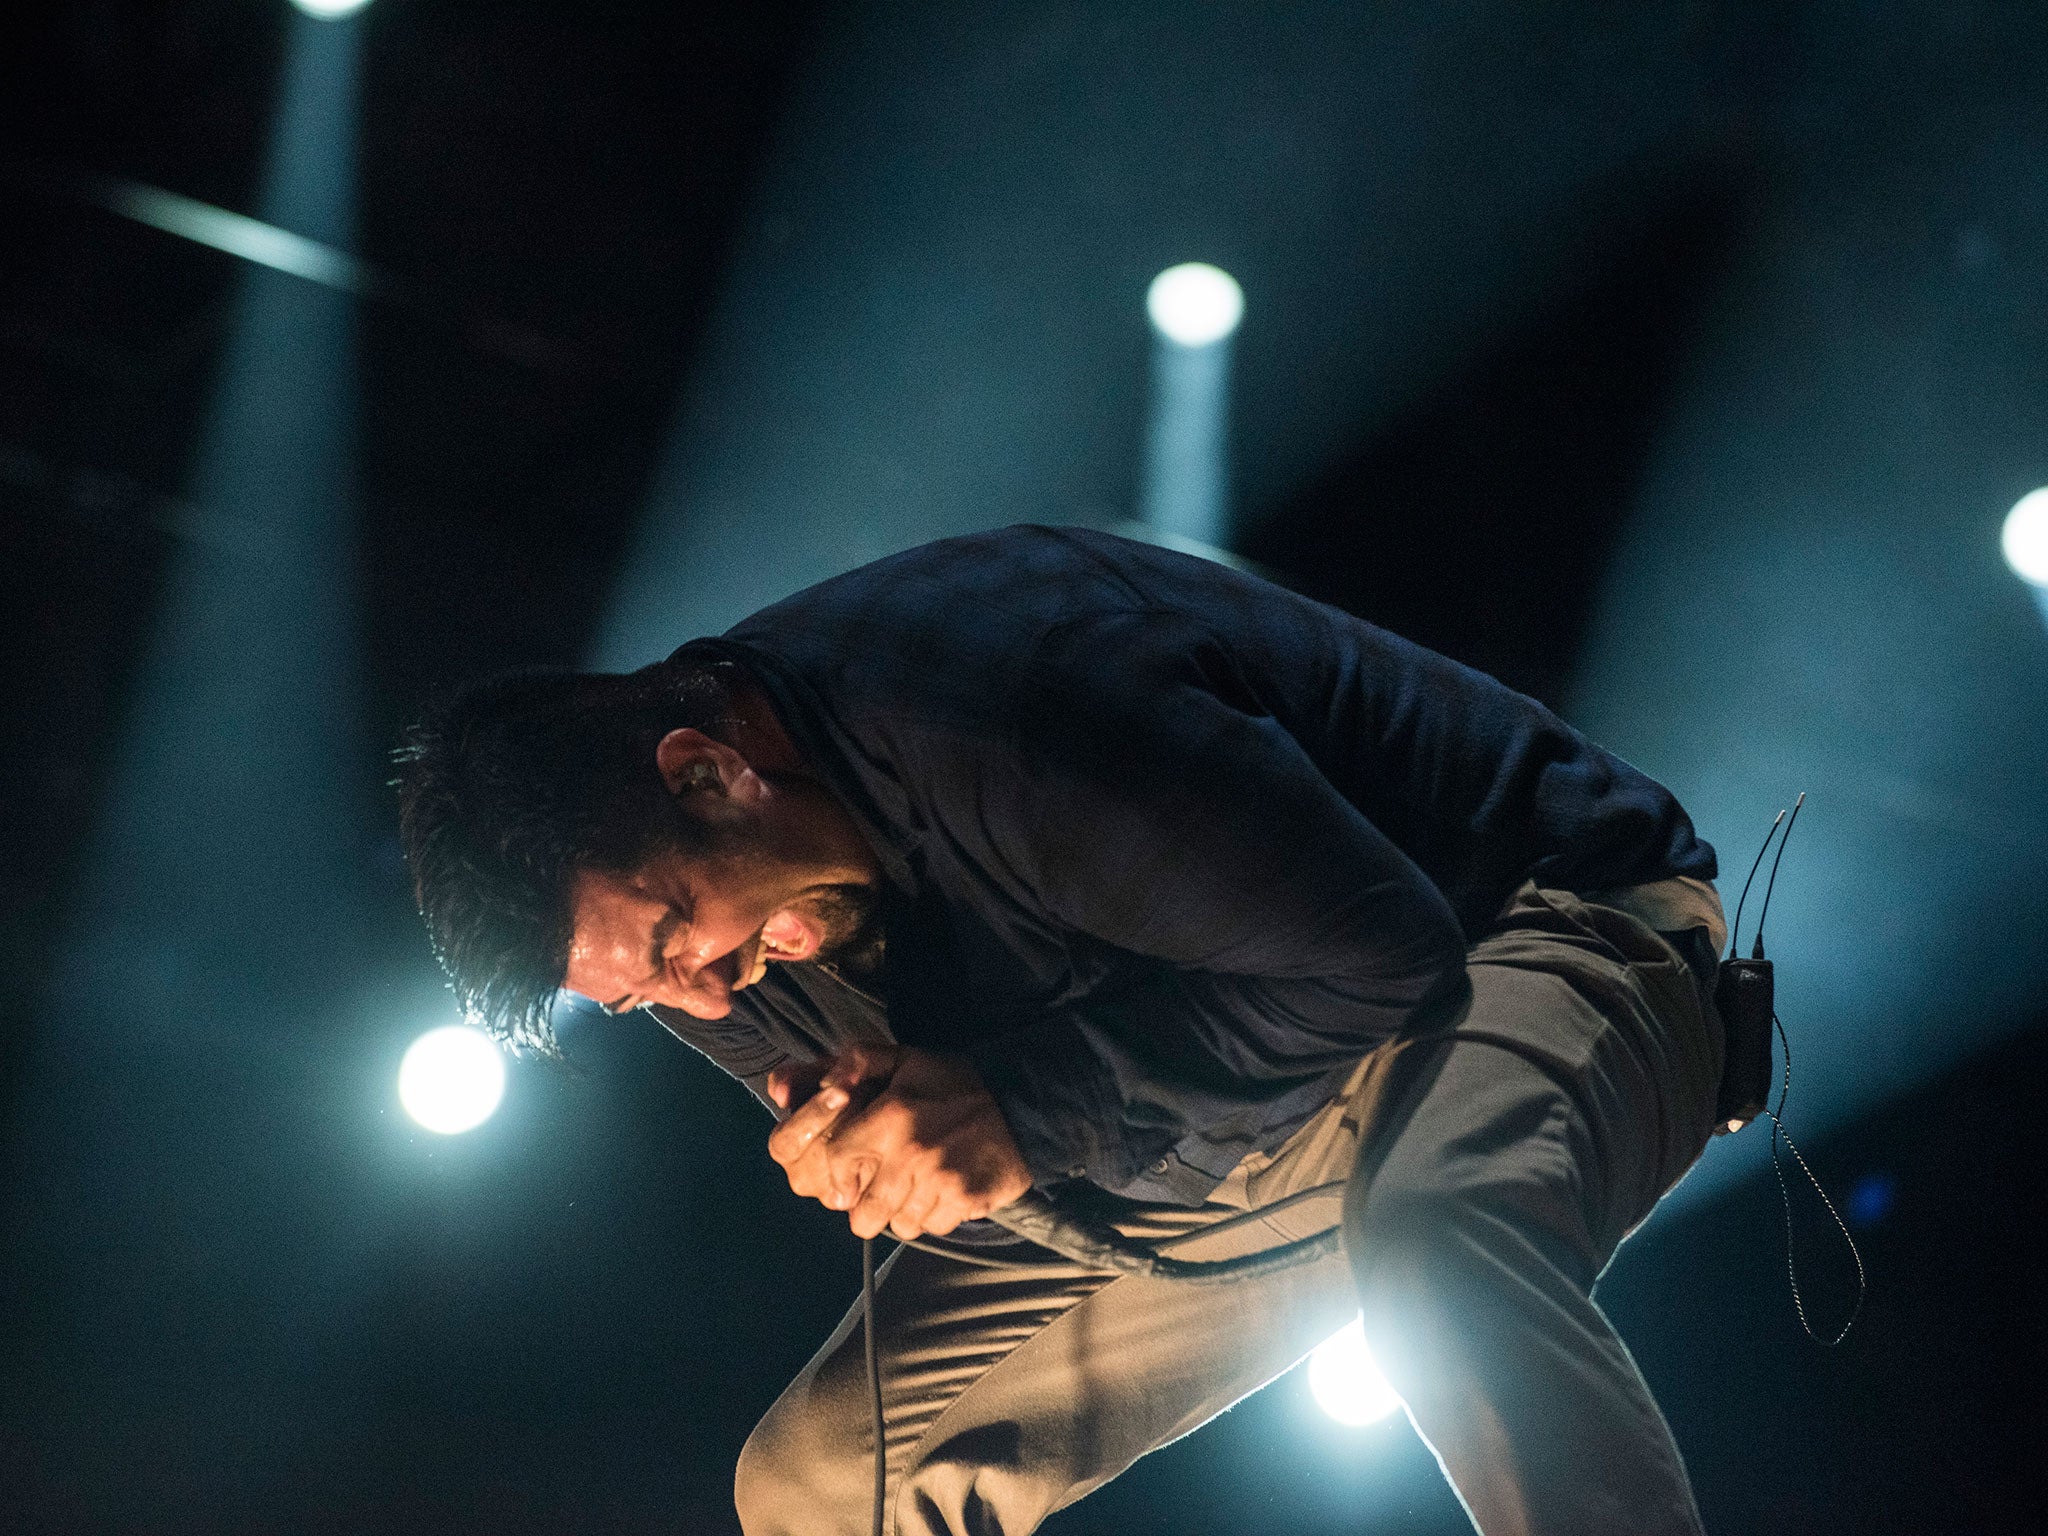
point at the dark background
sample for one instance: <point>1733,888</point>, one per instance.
<point>1676,363</point>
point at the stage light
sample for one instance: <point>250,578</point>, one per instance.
<point>1185,491</point>
<point>1346,1382</point>
<point>1195,304</point>
<point>328,10</point>
<point>2025,539</point>
<point>451,1079</point>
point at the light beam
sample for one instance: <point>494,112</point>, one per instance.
<point>1194,309</point>
<point>218,909</point>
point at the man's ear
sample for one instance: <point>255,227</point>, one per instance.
<point>688,761</point>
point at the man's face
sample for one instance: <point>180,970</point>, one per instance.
<point>777,871</point>
<point>687,931</point>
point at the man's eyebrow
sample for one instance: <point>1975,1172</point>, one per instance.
<point>664,930</point>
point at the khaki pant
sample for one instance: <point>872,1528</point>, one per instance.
<point>1491,1173</point>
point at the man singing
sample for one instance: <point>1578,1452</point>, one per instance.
<point>1042,858</point>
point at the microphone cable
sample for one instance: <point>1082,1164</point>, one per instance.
<point>1746,997</point>
<point>867,1325</point>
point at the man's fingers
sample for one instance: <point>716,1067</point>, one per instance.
<point>884,1196</point>
<point>871,1136</point>
<point>860,1064</point>
<point>795,1081</point>
<point>844,1180</point>
<point>805,1143</point>
<point>867,1147</point>
<point>896,1139</point>
<point>791,1139</point>
<point>847,1068</point>
<point>967,1197</point>
<point>915,1216</point>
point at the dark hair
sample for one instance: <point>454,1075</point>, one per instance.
<point>511,785</point>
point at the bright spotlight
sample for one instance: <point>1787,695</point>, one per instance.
<point>1194,303</point>
<point>2025,540</point>
<point>1347,1384</point>
<point>327,10</point>
<point>451,1079</point>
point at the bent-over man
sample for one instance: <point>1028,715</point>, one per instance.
<point>1043,858</point>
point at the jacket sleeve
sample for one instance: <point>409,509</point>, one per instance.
<point>1262,930</point>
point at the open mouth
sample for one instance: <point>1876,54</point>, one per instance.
<point>786,936</point>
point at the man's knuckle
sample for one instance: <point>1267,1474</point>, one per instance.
<point>894,1119</point>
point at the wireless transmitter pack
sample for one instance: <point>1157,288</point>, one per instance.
<point>1745,995</point>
